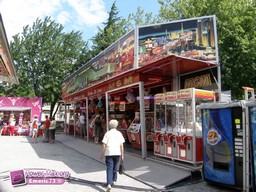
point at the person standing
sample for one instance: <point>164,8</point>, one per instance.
<point>52,130</point>
<point>82,125</point>
<point>113,149</point>
<point>34,131</point>
<point>97,128</point>
<point>47,124</point>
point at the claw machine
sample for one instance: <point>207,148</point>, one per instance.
<point>159,124</point>
<point>178,130</point>
<point>171,147</point>
<point>188,131</point>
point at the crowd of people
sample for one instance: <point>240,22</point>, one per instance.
<point>97,122</point>
<point>48,129</point>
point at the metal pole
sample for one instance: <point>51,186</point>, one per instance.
<point>246,157</point>
<point>107,111</point>
<point>74,116</point>
<point>142,121</point>
<point>87,120</point>
<point>65,118</point>
<point>194,125</point>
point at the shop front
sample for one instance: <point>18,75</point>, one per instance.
<point>124,81</point>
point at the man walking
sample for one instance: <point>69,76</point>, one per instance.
<point>113,149</point>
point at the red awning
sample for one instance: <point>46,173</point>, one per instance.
<point>156,73</point>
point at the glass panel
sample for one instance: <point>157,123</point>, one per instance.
<point>171,116</point>
<point>160,116</point>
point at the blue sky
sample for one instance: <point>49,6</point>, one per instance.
<point>78,15</point>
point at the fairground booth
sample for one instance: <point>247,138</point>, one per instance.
<point>16,113</point>
<point>151,81</point>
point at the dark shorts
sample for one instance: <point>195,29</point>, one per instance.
<point>97,131</point>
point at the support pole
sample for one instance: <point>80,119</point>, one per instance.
<point>142,121</point>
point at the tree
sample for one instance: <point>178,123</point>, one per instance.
<point>113,29</point>
<point>140,18</point>
<point>44,56</point>
<point>236,36</point>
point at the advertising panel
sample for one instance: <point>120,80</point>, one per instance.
<point>193,38</point>
<point>116,59</point>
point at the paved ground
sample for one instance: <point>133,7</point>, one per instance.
<point>80,159</point>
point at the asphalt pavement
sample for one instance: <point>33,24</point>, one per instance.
<point>80,161</point>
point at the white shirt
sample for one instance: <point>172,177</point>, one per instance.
<point>82,119</point>
<point>113,140</point>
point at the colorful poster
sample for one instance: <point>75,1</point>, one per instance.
<point>190,38</point>
<point>117,58</point>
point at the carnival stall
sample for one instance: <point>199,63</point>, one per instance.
<point>172,56</point>
<point>16,114</point>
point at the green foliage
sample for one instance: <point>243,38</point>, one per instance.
<point>113,30</point>
<point>236,36</point>
<point>140,18</point>
<point>44,56</point>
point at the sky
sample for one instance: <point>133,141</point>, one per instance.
<point>77,15</point>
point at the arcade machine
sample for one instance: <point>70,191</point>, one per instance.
<point>159,124</point>
<point>178,133</point>
<point>171,147</point>
<point>189,129</point>
<point>134,130</point>
<point>134,133</point>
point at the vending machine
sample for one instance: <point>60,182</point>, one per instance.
<point>223,127</point>
<point>250,172</point>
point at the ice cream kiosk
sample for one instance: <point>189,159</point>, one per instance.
<point>178,130</point>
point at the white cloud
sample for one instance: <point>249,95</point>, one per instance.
<point>89,12</point>
<point>73,14</point>
<point>63,17</point>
